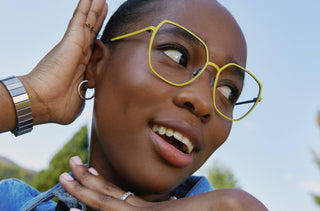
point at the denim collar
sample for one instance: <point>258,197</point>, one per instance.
<point>56,191</point>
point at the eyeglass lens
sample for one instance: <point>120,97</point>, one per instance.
<point>236,92</point>
<point>178,56</point>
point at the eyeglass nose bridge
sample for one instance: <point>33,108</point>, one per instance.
<point>199,72</point>
<point>215,66</point>
<point>213,70</point>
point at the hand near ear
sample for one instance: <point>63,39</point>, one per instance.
<point>52,84</point>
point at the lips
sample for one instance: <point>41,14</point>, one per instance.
<point>184,144</point>
<point>176,142</point>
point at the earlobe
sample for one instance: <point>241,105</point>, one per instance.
<point>97,63</point>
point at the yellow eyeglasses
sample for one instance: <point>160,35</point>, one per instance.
<point>178,56</point>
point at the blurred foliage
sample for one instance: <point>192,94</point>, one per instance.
<point>10,170</point>
<point>49,177</point>
<point>318,118</point>
<point>221,177</point>
<point>317,199</point>
<point>317,161</point>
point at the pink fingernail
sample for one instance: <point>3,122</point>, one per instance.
<point>93,171</point>
<point>67,177</point>
<point>77,160</point>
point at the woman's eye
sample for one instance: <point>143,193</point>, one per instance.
<point>176,56</point>
<point>228,93</point>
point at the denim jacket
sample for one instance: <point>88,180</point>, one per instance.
<point>16,195</point>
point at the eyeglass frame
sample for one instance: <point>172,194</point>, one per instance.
<point>155,29</point>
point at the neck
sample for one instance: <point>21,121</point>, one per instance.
<point>99,161</point>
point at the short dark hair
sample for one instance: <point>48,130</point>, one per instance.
<point>129,13</point>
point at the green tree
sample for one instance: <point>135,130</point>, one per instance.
<point>49,177</point>
<point>221,177</point>
<point>9,169</point>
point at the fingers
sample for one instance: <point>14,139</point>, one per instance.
<point>87,18</point>
<point>97,14</point>
<point>80,14</point>
<point>93,190</point>
<point>90,12</point>
<point>89,197</point>
<point>92,180</point>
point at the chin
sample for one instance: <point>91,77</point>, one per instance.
<point>156,182</point>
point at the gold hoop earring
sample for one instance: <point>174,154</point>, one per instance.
<point>80,87</point>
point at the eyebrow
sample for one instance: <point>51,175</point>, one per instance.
<point>181,32</point>
<point>235,70</point>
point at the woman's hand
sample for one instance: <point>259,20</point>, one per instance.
<point>52,84</point>
<point>99,194</point>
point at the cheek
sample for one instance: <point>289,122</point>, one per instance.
<point>127,98</point>
<point>217,133</point>
<point>120,93</point>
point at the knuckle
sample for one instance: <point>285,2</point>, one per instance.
<point>95,13</point>
<point>105,198</point>
<point>77,188</point>
<point>108,188</point>
<point>79,11</point>
<point>84,177</point>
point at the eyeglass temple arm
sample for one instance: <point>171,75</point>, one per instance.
<point>149,28</point>
<point>249,101</point>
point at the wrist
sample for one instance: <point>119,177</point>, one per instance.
<point>40,111</point>
<point>22,107</point>
<point>8,114</point>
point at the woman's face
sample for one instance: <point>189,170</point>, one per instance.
<point>131,100</point>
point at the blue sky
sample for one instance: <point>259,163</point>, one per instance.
<point>269,151</point>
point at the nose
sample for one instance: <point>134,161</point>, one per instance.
<point>197,98</point>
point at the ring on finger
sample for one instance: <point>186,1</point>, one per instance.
<point>126,195</point>
<point>90,27</point>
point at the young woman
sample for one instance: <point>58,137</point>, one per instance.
<point>169,81</point>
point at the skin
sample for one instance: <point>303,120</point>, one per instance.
<point>121,140</point>
<point>128,99</point>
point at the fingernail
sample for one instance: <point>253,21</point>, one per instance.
<point>74,209</point>
<point>67,177</point>
<point>93,171</point>
<point>77,160</point>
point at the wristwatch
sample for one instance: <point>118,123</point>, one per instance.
<point>22,105</point>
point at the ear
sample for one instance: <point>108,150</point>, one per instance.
<point>97,63</point>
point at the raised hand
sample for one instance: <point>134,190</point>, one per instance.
<point>52,84</point>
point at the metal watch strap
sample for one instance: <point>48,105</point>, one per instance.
<point>22,105</point>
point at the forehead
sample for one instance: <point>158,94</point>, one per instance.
<point>210,21</point>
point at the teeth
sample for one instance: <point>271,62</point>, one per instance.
<point>178,136</point>
<point>169,132</point>
<point>155,128</point>
<point>188,143</point>
<point>187,147</point>
<point>162,130</point>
